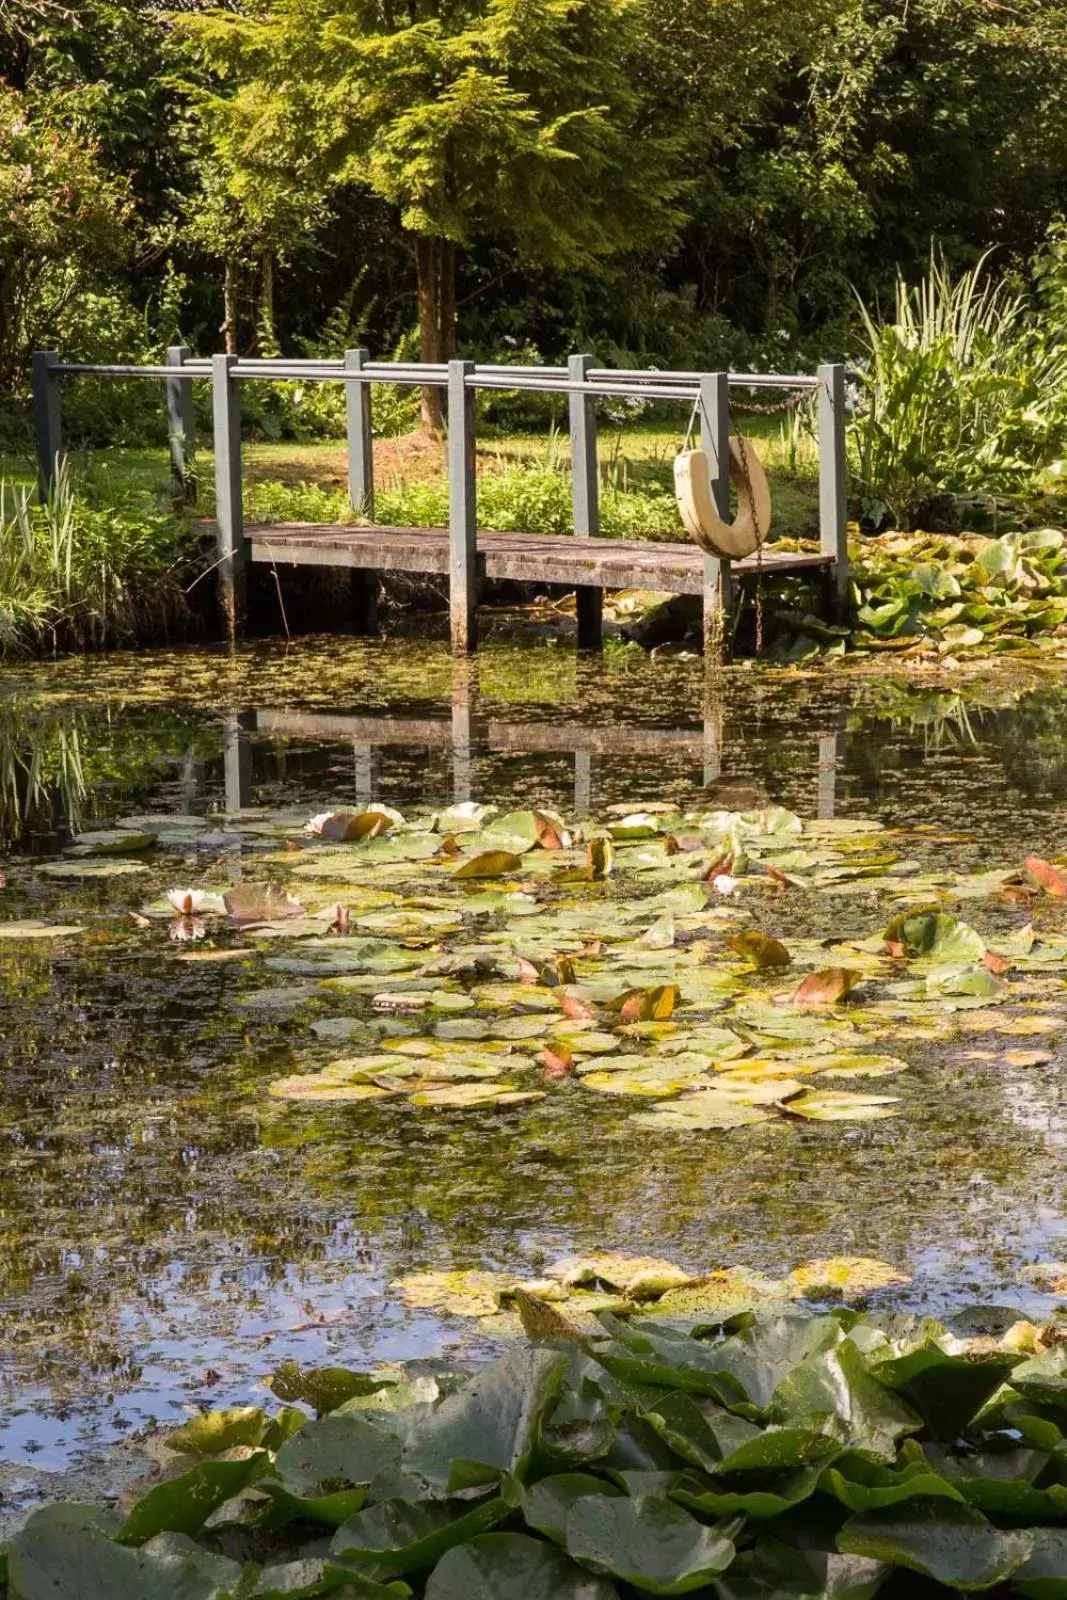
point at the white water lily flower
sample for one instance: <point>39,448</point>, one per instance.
<point>724,884</point>
<point>187,902</point>
<point>183,928</point>
<point>316,824</point>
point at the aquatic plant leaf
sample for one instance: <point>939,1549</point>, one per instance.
<point>53,1558</point>
<point>325,1389</point>
<point>832,1390</point>
<point>648,1541</point>
<point>935,933</point>
<point>884,1487</point>
<point>344,1452</point>
<point>845,1275</point>
<point>946,1390</point>
<point>30,928</point>
<point>940,1539</point>
<point>840,1105</point>
<point>1044,876</point>
<point>107,867</point>
<point>313,1576</point>
<point>463,1096</point>
<point>826,988</point>
<point>1043,1575</point>
<point>657,1079</point>
<point>183,1504</point>
<point>777,1571</point>
<point>723,1294</point>
<point>648,1005</point>
<point>459,1294</point>
<point>490,864</point>
<point>600,858</point>
<point>253,902</point>
<point>761,950</point>
<point>637,1277</point>
<point>339,827</point>
<point>546,1503</point>
<point>699,1113</point>
<point>396,1537</point>
<point>212,1432</point>
<point>513,1566</point>
<point>112,842</point>
<point>488,1428</point>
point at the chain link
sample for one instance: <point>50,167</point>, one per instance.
<point>771,408</point>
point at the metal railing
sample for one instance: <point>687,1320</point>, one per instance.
<point>583,384</point>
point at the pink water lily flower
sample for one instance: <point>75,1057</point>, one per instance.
<point>186,902</point>
<point>725,885</point>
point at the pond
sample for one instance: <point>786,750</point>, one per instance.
<point>171,1231</point>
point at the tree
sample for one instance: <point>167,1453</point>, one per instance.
<point>476,119</point>
<point>63,224</point>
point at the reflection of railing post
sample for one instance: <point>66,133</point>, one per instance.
<point>829,750</point>
<point>585,498</point>
<point>181,428</point>
<point>237,762</point>
<point>47,419</point>
<point>229,515</point>
<point>462,764</point>
<point>713,729</point>
<point>715,443</point>
<point>365,764</point>
<point>462,510</point>
<point>365,586</point>
<point>583,783</point>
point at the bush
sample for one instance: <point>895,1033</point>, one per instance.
<point>959,401</point>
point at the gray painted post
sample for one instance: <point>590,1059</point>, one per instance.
<point>365,586</point>
<point>715,442</point>
<point>365,765</point>
<point>585,497</point>
<point>462,511</point>
<point>360,437</point>
<point>181,428</point>
<point>833,532</point>
<point>229,517</point>
<point>826,799</point>
<point>47,420</point>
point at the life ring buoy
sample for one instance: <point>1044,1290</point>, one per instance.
<point>696,501</point>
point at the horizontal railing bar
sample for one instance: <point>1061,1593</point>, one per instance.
<point>621,382</point>
<point>621,390</point>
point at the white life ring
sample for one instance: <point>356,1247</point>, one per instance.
<point>696,501</point>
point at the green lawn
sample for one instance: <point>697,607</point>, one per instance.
<point>632,460</point>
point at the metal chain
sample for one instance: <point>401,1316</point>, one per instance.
<point>773,407</point>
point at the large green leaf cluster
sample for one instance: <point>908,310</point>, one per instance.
<point>769,1458</point>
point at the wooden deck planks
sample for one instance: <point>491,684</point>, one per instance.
<point>525,557</point>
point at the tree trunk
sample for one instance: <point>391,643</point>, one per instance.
<point>266,337</point>
<point>435,265</point>
<point>229,307</point>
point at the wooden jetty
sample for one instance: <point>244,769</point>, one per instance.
<point>584,560</point>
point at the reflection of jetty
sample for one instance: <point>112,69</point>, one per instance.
<point>467,730</point>
<point>581,560</point>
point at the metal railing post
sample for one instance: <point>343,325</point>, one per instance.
<point>462,510</point>
<point>229,515</point>
<point>47,420</point>
<point>715,442</point>
<point>833,513</point>
<point>360,437</point>
<point>181,428</point>
<point>585,497</point>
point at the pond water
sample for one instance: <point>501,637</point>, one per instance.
<point>169,1232</point>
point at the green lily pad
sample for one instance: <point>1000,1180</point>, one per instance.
<point>512,1566</point>
<point>940,1539</point>
<point>648,1541</point>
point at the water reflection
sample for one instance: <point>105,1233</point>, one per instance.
<point>167,1234</point>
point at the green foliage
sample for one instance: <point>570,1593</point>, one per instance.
<point>782,1455</point>
<point>72,574</point>
<point>959,400</point>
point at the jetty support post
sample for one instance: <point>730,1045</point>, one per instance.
<point>365,586</point>
<point>229,515</point>
<point>833,512</point>
<point>462,510</point>
<point>718,582</point>
<point>181,428</point>
<point>585,497</point>
<point>47,420</point>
